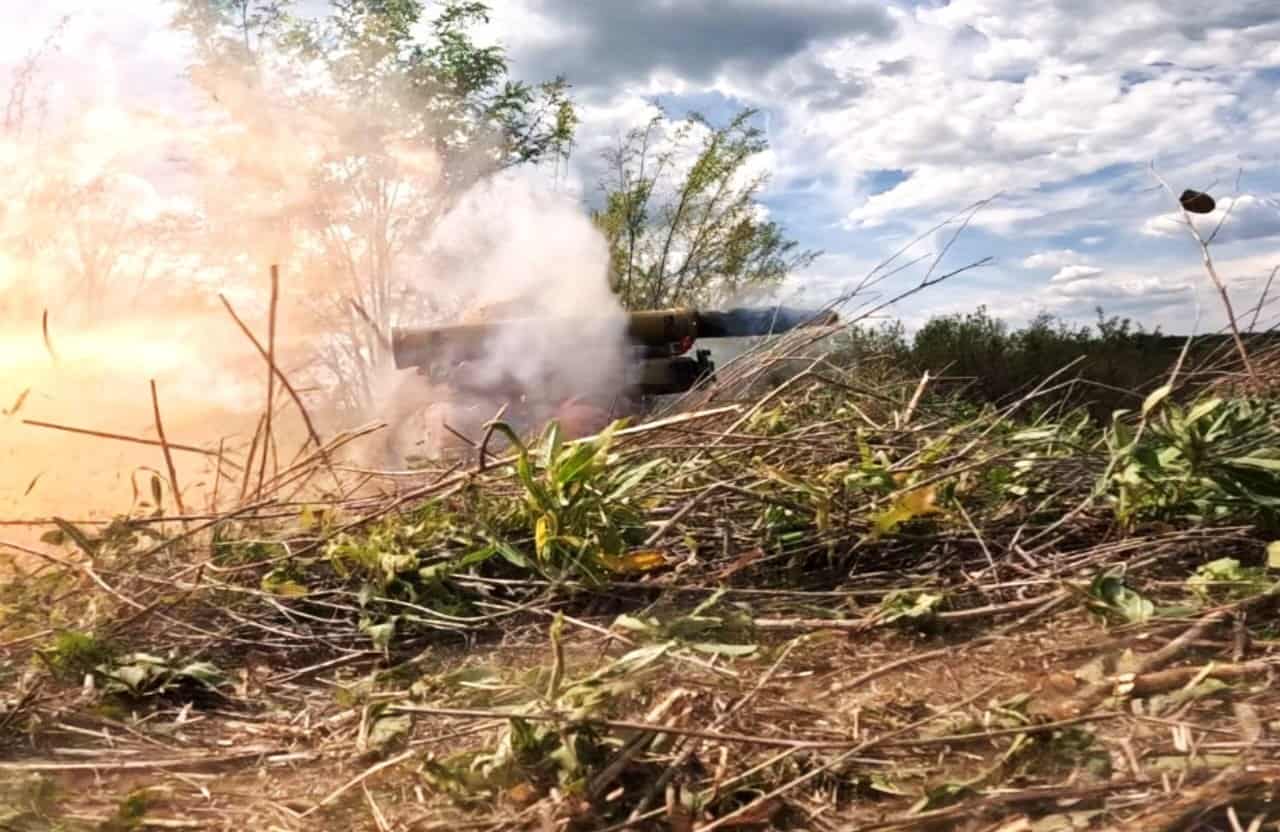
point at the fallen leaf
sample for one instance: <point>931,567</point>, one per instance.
<point>522,794</point>
<point>643,560</point>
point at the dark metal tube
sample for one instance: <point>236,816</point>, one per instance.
<point>421,346</point>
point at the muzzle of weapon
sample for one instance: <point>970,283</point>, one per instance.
<point>661,339</point>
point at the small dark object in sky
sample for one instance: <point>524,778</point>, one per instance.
<point>1196,202</point>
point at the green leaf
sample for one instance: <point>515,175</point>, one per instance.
<point>511,556</point>
<point>632,479</point>
<point>1226,577</point>
<point>1203,409</point>
<point>88,546</point>
<point>1262,463</point>
<point>1111,590</point>
<point>277,583</point>
<point>206,673</point>
<point>648,626</point>
<point>379,634</point>
<point>387,728</point>
<point>553,442</point>
<point>437,571</point>
<point>908,605</point>
<point>576,465</point>
<point>1157,396</point>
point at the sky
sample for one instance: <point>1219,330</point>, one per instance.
<point>888,118</point>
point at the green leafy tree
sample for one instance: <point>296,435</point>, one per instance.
<point>682,214</point>
<point>413,111</point>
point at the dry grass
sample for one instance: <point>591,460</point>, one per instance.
<point>838,603</point>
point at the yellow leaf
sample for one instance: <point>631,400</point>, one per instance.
<point>643,560</point>
<point>917,503</point>
<point>921,501</point>
<point>542,534</point>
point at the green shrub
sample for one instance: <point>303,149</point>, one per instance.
<point>1215,460</point>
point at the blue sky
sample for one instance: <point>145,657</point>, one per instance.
<point>886,118</point>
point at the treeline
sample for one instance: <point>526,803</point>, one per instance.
<point>978,357</point>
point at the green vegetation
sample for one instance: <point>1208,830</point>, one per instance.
<point>1017,579</point>
<point>885,598</point>
<point>682,214</point>
<point>981,358</point>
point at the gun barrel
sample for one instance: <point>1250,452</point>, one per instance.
<point>421,346</point>
<point>743,323</point>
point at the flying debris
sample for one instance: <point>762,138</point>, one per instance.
<point>1197,202</point>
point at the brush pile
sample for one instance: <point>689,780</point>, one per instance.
<point>833,598</point>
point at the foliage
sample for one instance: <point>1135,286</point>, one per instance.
<point>1110,595</point>
<point>410,560</point>
<point>394,556</point>
<point>712,627</point>
<point>546,753</point>
<point>73,654</point>
<point>1212,461</point>
<point>983,359</point>
<point>413,110</point>
<point>580,505</point>
<point>682,217</point>
<point>1225,579</point>
<point>141,675</point>
<point>912,607</point>
<point>130,814</point>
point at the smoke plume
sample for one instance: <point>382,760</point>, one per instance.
<point>130,224</point>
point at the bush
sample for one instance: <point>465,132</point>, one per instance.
<point>980,358</point>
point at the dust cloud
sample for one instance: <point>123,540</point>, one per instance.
<point>128,227</point>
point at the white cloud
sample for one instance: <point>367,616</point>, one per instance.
<point>1057,104</point>
<point>1070,274</point>
<point>1247,217</point>
<point>1056,259</point>
<point>1003,95</point>
<point>1176,296</point>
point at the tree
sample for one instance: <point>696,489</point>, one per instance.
<point>83,231</point>
<point>376,131</point>
<point>682,216</point>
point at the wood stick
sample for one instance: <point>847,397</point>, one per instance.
<point>271,373</point>
<point>312,433</point>
<point>101,434</point>
<point>192,762</point>
<point>248,465</point>
<point>168,456</point>
<point>217,477</point>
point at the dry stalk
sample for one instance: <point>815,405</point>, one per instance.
<point>168,455</point>
<point>136,440</point>
<point>1207,259</point>
<point>271,376</point>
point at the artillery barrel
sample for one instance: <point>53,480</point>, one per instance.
<point>420,346</point>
